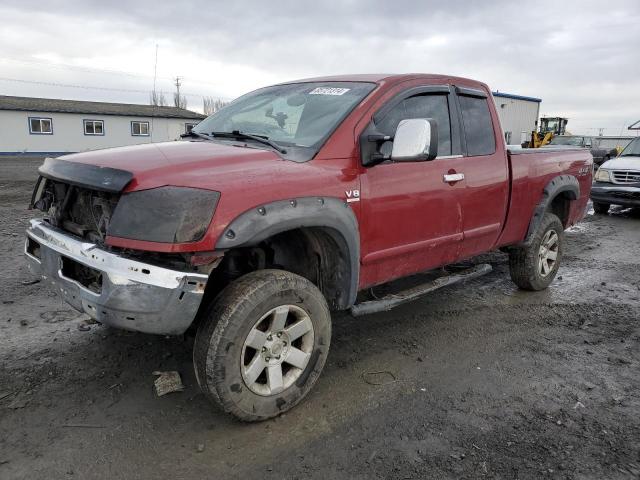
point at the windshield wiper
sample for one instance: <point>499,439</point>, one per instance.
<point>192,133</point>
<point>247,136</point>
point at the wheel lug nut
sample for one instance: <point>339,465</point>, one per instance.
<point>264,349</point>
<point>278,357</point>
<point>267,358</point>
<point>269,337</point>
<point>279,334</point>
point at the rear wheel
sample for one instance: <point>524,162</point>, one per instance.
<point>535,266</point>
<point>262,344</point>
<point>601,208</point>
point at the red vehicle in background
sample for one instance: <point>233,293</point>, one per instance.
<point>283,206</point>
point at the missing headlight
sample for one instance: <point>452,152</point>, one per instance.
<point>165,214</point>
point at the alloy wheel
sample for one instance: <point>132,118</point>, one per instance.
<point>548,253</point>
<point>277,350</point>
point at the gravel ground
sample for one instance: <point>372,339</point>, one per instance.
<point>474,381</point>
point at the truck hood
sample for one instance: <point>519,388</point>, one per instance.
<point>196,163</point>
<point>234,171</point>
<point>622,163</point>
<point>199,164</point>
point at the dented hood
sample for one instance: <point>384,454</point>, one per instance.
<point>182,163</point>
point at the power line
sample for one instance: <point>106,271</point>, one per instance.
<point>68,85</point>
<point>79,67</point>
<point>97,70</point>
<point>86,87</point>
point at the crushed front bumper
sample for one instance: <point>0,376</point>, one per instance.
<point>616,194</point>
<point>131,295</point>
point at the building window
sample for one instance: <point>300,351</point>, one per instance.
<point>140,129</point>
<point>40,126</point>
<point>188,127</point>
<point>93,127</point>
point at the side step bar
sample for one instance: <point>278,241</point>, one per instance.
<point>390,301</point>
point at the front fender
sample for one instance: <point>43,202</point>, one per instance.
<point>264,221</point>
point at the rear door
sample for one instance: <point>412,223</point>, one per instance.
<point>484,165</point>
<point>412,217</point>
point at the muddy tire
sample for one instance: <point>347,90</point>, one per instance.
<point>534,267</point>
<point>601,208</point>
<point>262,344</point>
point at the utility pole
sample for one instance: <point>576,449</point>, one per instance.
<point>178,79</point>
<point>154,93</point>
<point>179,101</point>
<point>155,69</point>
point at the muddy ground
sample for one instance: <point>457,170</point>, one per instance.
<point>481,381</point>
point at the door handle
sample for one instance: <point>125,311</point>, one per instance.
<point>453,177</point>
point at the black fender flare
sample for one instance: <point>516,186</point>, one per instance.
<point>566,185</point>
<point>263,221</point>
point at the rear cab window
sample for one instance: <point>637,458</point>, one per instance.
<point>476,123</point>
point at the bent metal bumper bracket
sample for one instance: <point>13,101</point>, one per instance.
<point>133,295</point>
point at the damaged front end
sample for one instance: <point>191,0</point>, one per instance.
<point>80,211</point>
<point>82,206</point>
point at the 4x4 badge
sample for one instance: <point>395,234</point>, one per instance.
<point>584,170</point>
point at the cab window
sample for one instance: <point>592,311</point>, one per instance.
<point>421,106</point>
<point>477,125</point>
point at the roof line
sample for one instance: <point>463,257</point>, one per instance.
<point>106,114</point>
<point>516,97</point>
<point>88,107</point>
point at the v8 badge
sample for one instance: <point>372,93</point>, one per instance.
<point>353,195</point>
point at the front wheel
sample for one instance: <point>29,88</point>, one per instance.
<point>262,344</point>
<point>535,266</point>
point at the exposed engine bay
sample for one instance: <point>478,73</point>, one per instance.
<point>83,212</point>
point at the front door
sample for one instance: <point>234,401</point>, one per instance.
<point>412,217</point>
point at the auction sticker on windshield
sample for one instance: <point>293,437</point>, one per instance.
<point>329,91</point>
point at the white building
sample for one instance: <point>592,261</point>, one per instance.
<point>51,126</point>
<point>518,116</point>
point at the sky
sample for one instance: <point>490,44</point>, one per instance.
<point>582,58</point>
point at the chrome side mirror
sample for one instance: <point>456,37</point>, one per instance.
<point>416,139</point>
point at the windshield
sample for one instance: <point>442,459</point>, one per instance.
<point>297,116</point>
<point>633,149</point>
<point>575,141</point>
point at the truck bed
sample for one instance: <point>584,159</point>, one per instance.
<point>530,171</point>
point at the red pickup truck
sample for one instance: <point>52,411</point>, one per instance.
<point>283,206</point>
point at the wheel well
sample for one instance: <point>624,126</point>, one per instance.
<point>561,206</point>
<point>318,254</point>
